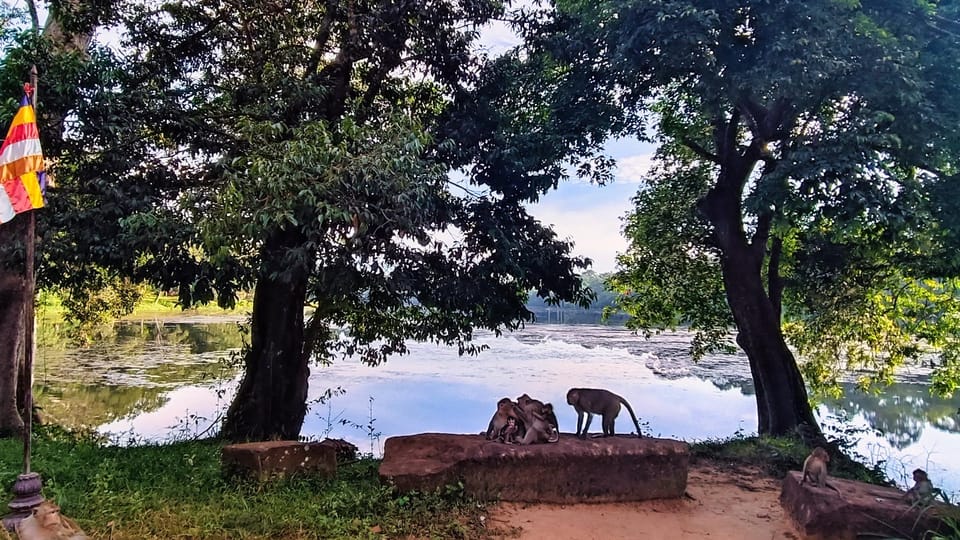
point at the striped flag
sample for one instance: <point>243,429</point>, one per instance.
<point>21,165</point>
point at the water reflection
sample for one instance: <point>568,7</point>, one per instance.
<point>130,370</point>
<point>901,416</point>
<point>157,381</point>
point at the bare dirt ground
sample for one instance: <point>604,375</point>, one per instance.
<point>733,502</point>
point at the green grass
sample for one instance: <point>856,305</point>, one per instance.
<point>177,491</point>
<point>777,455</point>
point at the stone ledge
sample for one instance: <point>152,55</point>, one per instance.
<point>611,469</point>
<point>265,460</point>
<point>860,509</point>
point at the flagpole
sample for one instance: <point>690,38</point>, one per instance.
<point>30,345</point>
<point>28,486</point>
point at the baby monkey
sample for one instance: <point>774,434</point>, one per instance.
<point>922,490</point>
<point>815,469</point>
<point>511,433</point>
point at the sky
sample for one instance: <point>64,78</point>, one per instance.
<point>589,215</point>
<point>592,215</point>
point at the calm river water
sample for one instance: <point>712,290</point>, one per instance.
<point>153,382</point>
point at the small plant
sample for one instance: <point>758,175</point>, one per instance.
<point>950,529</point>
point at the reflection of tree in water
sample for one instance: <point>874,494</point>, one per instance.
<point>900,412</point>
<point>199,338</point>
<point>83,405</point>
<point>134,336</point>
<point>129,370</point>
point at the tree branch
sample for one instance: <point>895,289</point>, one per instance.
<point>699,150</point>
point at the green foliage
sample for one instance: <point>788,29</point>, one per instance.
<point>818,137</point>
<point>174,490</point>
<point>950,529</point>
<point>97,305</point>
<point>905,322</point>
<point>670,274</point>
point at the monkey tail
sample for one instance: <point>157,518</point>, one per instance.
<point>632,415</point>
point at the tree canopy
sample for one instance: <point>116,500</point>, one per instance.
<point>362,160</point>
<point>808,155</point>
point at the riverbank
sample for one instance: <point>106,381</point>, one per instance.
<point>177,490</point>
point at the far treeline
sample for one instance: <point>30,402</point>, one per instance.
<point>367,159</point>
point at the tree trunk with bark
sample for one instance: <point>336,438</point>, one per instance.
<point>12,290</point>
<point>271,400</point>
<point>783,407</point>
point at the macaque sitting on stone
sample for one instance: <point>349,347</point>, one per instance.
<point>922,490</point>
<point>511,432</point>
<point>46,523</point>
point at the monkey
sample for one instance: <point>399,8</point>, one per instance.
<point>528,404</point>
<point>815,469</point>
<point>505,409</point>
<point>922,490</point>
<point>511,433</point>
<point>592,401</point>
<point>550,416</point>
<point>538,429</point>
<point>46,523</point>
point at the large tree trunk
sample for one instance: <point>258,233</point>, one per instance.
<point>271,400</point>
<point>783,407</point>
<point>12,303</point>
<point>782,404</point>
<point>11,327</point>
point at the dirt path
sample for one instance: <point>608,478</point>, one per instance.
<point>737,503</point>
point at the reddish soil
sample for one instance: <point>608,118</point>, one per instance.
<point>733,502</point>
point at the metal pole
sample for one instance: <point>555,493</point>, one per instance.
<point>28,311</point>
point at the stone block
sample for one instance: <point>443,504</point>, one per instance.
<point>860,510</point>
<point>610,469</point>
<point>268,459</point>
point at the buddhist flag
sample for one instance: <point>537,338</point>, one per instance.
<point>21,165</point>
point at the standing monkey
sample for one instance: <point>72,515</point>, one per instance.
<point>815,469</point>
<point>592,401</point>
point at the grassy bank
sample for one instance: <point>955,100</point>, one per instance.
<point>177,491</point>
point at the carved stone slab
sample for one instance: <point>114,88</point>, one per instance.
<point>264,460</point>
<point>859,509</point>
<point>620,468</point>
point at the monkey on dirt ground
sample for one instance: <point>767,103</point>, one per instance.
<point>511,433</point>
<point>592,401</point>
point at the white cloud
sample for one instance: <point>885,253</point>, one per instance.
<point>594,229</point>
<point>497,37</point>
<point>634,169</point>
